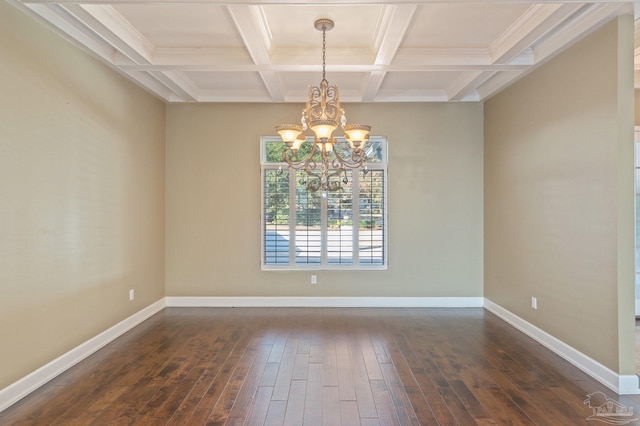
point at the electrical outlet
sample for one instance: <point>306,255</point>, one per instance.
<point>534,303</point>
<point>132,294</point>
<point>314,279</point>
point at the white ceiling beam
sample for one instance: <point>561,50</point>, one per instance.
<point>524,58</point>
<point>73,29</point>
<point>80,34</point>
<point>545,29</point>
<point>412,96</point>
<point>121,28</point>
<point>374,83</point>
<point>206,57</point>
<point>466,83</point>
<point>247,22</point>
<point>110,25</point>
<point>301,56</point>
<point>400,18</point>
<point>304,57</point>
<point>252,27</point>
<point>308,2</point>
<point>473,96</point>
<point>233,96</point>
<point>152,84</point>
<point>180,85</point>
<point>272,85</point>
<point>97,46</point>
<point>301,95</point>
<point>398,22</point>
<point>442,56</point>
<point>104,22</point>
<point>318,68</point>
<point>537,21</point>
<point>497,83</point>
<point>590,19</point>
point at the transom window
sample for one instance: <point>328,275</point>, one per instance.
<point>344,229</point>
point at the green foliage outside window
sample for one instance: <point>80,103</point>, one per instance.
<point>339,208</point>
<point>273,152</point>
<point>277,197</point>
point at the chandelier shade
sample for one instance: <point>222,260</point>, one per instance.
<point>356,134</point>
<point>322,115</point>
<point>289,133</point>
<point>323,129</point>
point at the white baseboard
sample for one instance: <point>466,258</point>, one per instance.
<point>18,390</point>
<point>620,384</point>
<point>326,302</point>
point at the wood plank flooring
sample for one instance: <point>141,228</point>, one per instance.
<point>317,366</point>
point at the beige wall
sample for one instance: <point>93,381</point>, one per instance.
<point>637,107</point>
<point>435,202</point>
<point>82,196</point>
<point>559,196</point>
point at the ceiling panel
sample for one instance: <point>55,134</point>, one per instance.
<point>185,25</point>
<point>354,25</point>
<point>471,26</point>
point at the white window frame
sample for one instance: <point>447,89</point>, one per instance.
<point>324,265</point>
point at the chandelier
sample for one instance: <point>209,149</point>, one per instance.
<point>325,159</point>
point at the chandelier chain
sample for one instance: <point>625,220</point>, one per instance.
<point>324,52</point>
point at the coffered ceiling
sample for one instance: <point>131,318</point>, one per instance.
<point>269,51</point>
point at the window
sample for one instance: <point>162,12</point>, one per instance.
<point>345,229</point>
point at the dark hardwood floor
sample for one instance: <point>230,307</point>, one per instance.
<point>318,366</point>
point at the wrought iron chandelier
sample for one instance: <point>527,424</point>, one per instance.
<point>324,164</point>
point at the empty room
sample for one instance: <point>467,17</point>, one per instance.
<point>284,212</point>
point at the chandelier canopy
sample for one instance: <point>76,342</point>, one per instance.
<point>323,163</point>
